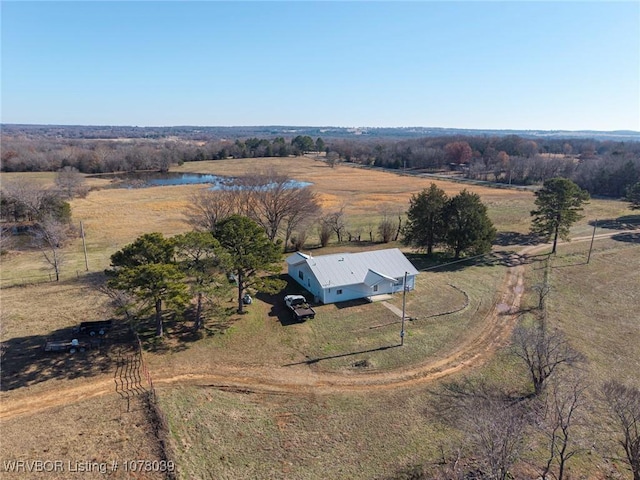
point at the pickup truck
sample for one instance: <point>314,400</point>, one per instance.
<point>299,307</point>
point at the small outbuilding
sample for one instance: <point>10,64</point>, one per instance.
<point>349,276</point>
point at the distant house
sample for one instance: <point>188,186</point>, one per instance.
<point>348,276</point>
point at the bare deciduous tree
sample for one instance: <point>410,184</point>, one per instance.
<point>562,404</point>
<point>299,239</point>
<point>26,197</point>
<point>70,182</point>
<point>493,423</point>
<point>324,233</point>
<point>386,229</point>
<point>269,198</point>
<point>335,223</point>
<point>542,351</point>
<point>122,301</point>
<point>332,158</point>
<point>497,429</point>
<point>624,407</point>
<point>50,235</point>
<point>299,221</point>
<point>209,207</point>
<point>275,200</point>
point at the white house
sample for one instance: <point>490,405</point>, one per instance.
<point>347,276</point>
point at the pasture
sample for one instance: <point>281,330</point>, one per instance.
<point>255,396</point>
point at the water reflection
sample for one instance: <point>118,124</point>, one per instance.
<point>158,179</point>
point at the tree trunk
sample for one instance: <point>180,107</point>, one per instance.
<point>240,292</point>
<point>56,267</point>
<point>555,235</point>
<point>198,323</point>
<point>159,326</point>
<point>395,239</point>
<point>555,240</point>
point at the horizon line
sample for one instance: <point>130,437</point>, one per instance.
<point>318,126</point>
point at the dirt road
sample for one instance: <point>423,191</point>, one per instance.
<point>494,334</point>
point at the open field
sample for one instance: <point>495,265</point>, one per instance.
<point>88,435</point>
<point>114,217</point>
<point>598,305</point>
<point>259,397</point>
<point>300,436</point>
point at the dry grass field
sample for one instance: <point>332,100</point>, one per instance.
<point>114,217</point>
<point>239,433</point>
<point>88,435</point>
<point>285,427</point>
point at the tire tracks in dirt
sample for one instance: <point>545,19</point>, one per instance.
<point>300,380</point>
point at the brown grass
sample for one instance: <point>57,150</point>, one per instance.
<point>228,434</point>
<point>94,431</point>
<point>114,217</point>
<point>359,190</point>
<point>248,435</point>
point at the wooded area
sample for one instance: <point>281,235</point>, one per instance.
<point>602,167</point>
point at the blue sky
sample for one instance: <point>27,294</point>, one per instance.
<point>517,65</point>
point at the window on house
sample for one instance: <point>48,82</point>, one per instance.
<point>375,288</point>
<point>339,291</point>
<point>301,274</point>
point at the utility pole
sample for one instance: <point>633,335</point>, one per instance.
<point>595,224</point>
<point>404,304</point>
<point>84,247</point>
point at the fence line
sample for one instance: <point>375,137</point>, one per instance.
<point>145,369</point>
<point>21,281</point>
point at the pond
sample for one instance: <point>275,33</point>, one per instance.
<point>159,179</point>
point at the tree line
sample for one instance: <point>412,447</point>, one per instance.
<point>25,154</point>
<point>603,167</point>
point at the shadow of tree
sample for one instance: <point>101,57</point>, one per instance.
<point>440,262</point>
<point>505,239</point>
<point>311,361</point>
<point>422,261</point>
<point>178,334</point>
<point>626,222</point>
<point>278,308</point>
<point>627,237</point>
<point>25,363</point>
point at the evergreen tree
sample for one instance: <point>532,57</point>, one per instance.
<point>248,253</point>
<point>633,196</point>
<point>559,202</point>
<point>468,227</point>
<point>152,284</point>
<point>198,258</point>
<point>425,227</point>
<point>148,248</point>
<point>146,270</point>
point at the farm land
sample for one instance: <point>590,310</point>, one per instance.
<point>334,397</point>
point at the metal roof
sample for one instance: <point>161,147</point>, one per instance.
<point>356,268</point>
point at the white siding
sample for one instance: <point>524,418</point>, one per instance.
<point>353,274</point>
